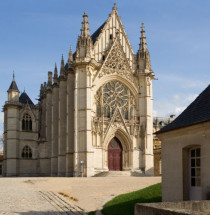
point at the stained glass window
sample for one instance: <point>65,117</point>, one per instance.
<point>112,95</point>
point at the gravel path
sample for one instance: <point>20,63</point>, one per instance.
<point>64,195</point>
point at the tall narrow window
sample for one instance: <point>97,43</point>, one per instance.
<point>195,163</point>
<point>26,152</point>
<point>26,123</point>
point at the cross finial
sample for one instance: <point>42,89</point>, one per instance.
<point>114,7</point>
<point>142,26</point>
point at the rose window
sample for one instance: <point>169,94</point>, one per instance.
<point>112,95</point>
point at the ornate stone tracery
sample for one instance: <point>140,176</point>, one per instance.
<point>112,95</point>
<point>116,63</point>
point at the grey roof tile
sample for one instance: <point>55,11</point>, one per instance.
<point>24,99</point>
<point>95,35</point>
<point>13,86</point>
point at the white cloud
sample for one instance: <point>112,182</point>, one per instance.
<point>1,117</point>
<point>191,98</point>
<point>184,82</point>
<point>175,104</point>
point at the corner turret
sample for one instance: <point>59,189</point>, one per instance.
<point>13,92</point>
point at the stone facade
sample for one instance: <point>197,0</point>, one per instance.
<point>173,208</point>
<point>103,93</point>
<point>158,123</point>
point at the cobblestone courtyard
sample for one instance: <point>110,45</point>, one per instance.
<point>64,195</point>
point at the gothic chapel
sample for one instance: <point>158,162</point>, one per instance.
<point>94,116</point>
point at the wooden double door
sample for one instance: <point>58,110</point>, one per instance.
<point>115,155</point>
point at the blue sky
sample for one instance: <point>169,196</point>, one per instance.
<point>35,33</point>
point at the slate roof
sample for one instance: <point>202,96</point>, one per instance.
<point>95,35</point>
<point>24,99</point>
<point>197,112</point>
<point>13,86</point>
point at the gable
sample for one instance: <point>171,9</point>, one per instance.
<point>106,34</point>
<point>117,122</point>
<point>116,63</point>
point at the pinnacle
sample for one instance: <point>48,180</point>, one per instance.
<point>70,55</point>
<point>55,70</point>
<point>114,7</point>
<point>142,26</point>
<point>85,26</point>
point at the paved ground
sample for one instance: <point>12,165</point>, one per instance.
<point>64,195</point>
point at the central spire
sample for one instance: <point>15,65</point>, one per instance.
<point>85,26</point>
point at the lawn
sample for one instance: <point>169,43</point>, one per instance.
<point>124,204</point>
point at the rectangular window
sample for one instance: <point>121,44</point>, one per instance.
<point>195,161</point>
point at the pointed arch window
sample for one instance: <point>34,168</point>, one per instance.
<point>114,95</point>
<point>26,122</point>
<point>26,152</point>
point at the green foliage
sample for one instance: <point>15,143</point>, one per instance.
<point>92,213</point>
<point>125,203</point>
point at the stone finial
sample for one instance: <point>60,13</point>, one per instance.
<point>114,7</point>
<point>143,56</point>
<point>55,71</point>
<point>70,60</point>
<point>49,83</point>
<point>143,44</point>
<point>62,69</point>
<point>85,26</point>
<point>55,77</point>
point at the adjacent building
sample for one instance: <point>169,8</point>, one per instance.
<point>186,153</point>
<point>159,123</point>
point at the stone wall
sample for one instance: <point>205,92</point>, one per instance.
<point>174,208</point>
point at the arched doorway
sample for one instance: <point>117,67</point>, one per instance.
<point>115,155</point>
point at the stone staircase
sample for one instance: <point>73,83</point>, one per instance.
<point>119,174</point>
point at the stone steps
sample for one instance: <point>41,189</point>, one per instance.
<point>138,173</point>
<point>61,204</point>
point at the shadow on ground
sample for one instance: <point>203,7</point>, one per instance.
<point>126,207</point>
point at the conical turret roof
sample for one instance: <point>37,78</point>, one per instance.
<point>13,85</point>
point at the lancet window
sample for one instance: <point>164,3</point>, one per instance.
<point>27,122</point>
<point>112,95</point>
<point>26,152</point>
